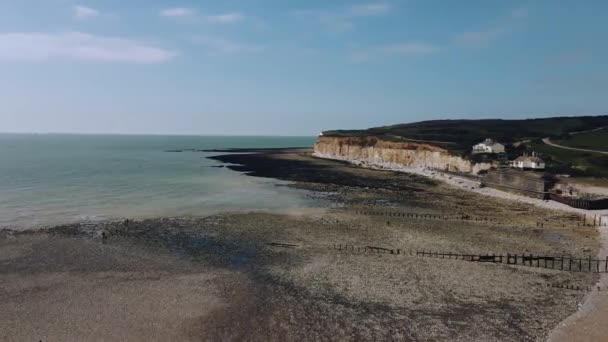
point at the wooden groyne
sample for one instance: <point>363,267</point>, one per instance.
<point>425,216</point>
<point>587,204</point>
<point>591,221</point>
<point>561,263</point>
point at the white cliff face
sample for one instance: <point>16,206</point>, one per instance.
<point>404,156</point>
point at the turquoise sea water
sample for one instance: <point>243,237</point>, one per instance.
<point>48,179</point>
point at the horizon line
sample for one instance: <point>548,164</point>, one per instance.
<point>155,134</point>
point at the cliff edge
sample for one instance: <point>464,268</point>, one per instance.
<point>395,155</point>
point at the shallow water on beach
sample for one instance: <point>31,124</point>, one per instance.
<point>49,179</point>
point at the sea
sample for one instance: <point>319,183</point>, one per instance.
<point>53,179</point>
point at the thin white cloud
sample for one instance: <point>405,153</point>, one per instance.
<point>220,46</point>
<point>83,12</point>
<point>176,12</point>
<point>226,18</point>
<point>222,18</point>
<point>407,49</point>
<point>343,19</point>
<point>479,38</point>
<point>77,46</point>
<point>486,36</point>
<point>519,13</point>
<point>334,23</point>
<point>369,9</point>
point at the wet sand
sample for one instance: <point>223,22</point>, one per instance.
<point>276,276</point>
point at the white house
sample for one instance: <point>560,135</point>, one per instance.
<point>532,162</point>
<point>489,146</point>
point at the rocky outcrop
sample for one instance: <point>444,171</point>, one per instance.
<point>403,156</point>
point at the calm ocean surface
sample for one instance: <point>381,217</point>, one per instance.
<point>50,179</point>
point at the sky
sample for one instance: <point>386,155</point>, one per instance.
<point>282,67</point>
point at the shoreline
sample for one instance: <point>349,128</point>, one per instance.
<point>593,309</point>
<point>274,275</point>
<point>468,185</point>
<point>592,300</point>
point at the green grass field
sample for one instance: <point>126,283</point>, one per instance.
<point>463,134</point>
<point>597,140</point>
<point>582,164</point>
<point>459,136</point>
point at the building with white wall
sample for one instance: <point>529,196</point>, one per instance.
<point>489,146</point>
<point>528,162</point>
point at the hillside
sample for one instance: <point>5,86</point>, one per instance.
<point>594,140</point>
<point>459,135</point>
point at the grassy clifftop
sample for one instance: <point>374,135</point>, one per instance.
<point>595,140</point>
<point>460,135</point>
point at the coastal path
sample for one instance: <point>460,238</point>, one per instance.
<point>547,141</point>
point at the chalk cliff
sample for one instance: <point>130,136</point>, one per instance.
<point>403,156</point>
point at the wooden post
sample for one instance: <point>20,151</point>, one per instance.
<point>594,219</point>
<point>584,219</point>
<point>522,259</point>
<point>590,263</point>
<point>570,267</point>
<point>606,265</point>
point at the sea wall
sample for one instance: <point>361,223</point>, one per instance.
<point>526,183</point>
<point>588,204</point>
<point>371,151</point>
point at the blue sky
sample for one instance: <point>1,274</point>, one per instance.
<point>294,67</point>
